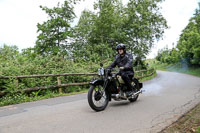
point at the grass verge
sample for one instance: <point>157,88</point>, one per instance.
<point>148,78</point>
<point>188,70</point>
<point>176,68</point>
<point>188,123</point>
<point>20,98</point>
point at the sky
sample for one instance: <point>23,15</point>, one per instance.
<point>177,13</point>
<point>19,18</point>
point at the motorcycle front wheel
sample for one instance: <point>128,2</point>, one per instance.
<point>97,98</point>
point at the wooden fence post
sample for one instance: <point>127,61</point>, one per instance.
<point>59,83</point>
<point>17,83</point>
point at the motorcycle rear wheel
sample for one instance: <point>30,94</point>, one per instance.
<point>96,95</point>
<point>137,88</point>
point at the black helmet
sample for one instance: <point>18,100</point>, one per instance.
<point>121,46</point>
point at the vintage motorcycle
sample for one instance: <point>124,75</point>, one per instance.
<point>109,86</point>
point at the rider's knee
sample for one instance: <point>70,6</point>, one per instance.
<point>123,75</point>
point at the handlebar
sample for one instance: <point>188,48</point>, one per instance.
<point>113,69</point>
<point>109,71</point>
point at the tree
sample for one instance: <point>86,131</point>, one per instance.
<point>8,52</point>
<point>189,42</point>
<point>137,25</point>
<point>97,33</point>
<point>108,23</point>
<point>80,44</point>
<point>143,25</point>
<point>54,33</point>
<point>187,51</point>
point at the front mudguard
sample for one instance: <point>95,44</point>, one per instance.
<point>101,82</point>
<point>97,82</point>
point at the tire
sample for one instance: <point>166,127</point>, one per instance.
<point>95,96</point>
<point>135,82</point>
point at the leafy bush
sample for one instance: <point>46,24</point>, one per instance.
<point>198,129</point>
<point>28,63</point>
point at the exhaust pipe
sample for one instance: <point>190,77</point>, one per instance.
<point>118,96</point>
<point>137,93</point>
<point>115,96</point>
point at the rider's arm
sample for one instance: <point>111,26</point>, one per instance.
<point>114,64</point>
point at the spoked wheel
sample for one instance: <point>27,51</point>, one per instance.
<point>135,84</point>
<point>97,98</point>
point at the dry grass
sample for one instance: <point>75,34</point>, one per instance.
<point>188,123</point>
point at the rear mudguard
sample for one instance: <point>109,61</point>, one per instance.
<point>140,84</point>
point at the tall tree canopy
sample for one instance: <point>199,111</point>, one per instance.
<point>189,42</point>
<point>143,25</point>
<point>138,25</point>
<point>187,51</point>
<point>55,32</point>
<point>98,32</point>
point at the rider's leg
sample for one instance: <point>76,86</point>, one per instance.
<point>127,80</point>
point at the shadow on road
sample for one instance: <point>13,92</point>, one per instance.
<point>121,103</point>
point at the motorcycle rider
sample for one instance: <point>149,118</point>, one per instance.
<point>125,62</point>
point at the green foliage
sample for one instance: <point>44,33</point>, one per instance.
<point>139,64</point>
<point>8,52</point>
<point>97,33</point>
<point>108,23</point>
<point>187,51</point>
<point>55,32</point>
<point>189,45</point>
<point>149,77</point>
<point>63,49</point>
<point>193,70</point>
<point>198,129</point>
<point>143,24</point>
<point>80,46</point>
<point>137,24</point>
<point>28,63</point>
<point>14,99</point>
<point>168,56</point>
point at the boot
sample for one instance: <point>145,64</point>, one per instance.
<point>130,90</point>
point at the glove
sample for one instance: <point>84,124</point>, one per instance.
<point>121,68</point>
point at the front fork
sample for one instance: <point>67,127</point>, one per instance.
<point>106,89</point>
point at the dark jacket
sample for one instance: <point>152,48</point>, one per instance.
<point>125,61</point>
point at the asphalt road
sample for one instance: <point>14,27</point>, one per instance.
<point>166,98</point>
